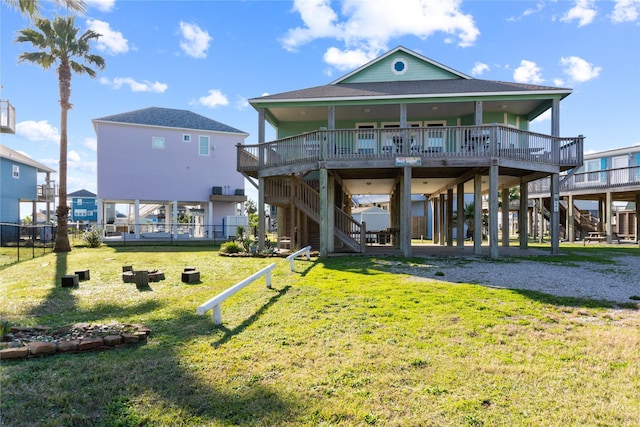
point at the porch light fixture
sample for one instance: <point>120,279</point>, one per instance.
<point>302,112</point>
<point>434,108</point>
<point>367,110</point>
<point>504,106</point>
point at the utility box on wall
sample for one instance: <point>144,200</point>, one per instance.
<point>230,224</point>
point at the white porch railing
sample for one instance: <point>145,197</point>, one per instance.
<point>215,303</point>
<point>293,256</point>
<point>455,142</point>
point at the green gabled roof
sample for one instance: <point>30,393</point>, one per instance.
<point>422,78</point>
<point>400,64</point>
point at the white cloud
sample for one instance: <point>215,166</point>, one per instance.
<point>543,117</point>
<point>578,69</point>
<point>241,103</point>
<point>626,11</point>
<point>195,41</point>
<point>110,41</point>
<point>479,68</point>
<point>558,82</point>
<point>38,131</point>
<point>365,27</point>
<point>584,12</point>
<point>73,156</point>
<point>214,99</point>
<point>349,59</point>
<point>527,72</point>
<point>134,85</point>
<point>91,144</point>
<point>101,5</point>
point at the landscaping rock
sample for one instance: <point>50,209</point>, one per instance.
<point>90,344</point>
<point>38,348</point>
<point>67,346</point>
<point>14,353</point>
<point>112,340</point>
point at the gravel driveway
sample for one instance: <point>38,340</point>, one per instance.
<point>615,281</point>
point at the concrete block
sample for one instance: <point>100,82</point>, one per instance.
<point>191,276</point>
<point>69,281</point>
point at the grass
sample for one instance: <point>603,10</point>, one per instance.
<point>340,341</point>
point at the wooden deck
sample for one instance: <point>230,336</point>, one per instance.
<point>448,147</point>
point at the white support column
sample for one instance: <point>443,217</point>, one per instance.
<point>210,225</point>
<point>460,212</point>
<point>136,220</point>
<point>638,218</point>
<point>609,216</point>
<point>477,214</point>
<point>100,218</point>
<point>174,219</point>
<point>493,211</point>
<point>403,115</point>
<point>571,227</point>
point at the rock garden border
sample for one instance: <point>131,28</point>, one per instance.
<point>28,342</point>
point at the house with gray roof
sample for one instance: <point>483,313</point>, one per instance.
<point>22,180</point>
<point>173,170</point>
<point>400,125</point>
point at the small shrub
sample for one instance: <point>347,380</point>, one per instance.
<point>231,247</point>
<point>439,273</point>
<point>93,237</point>
<point>5,328</point>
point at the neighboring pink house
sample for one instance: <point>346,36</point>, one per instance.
<point>173,170</point>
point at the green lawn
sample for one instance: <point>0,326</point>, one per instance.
<point>340,341</point>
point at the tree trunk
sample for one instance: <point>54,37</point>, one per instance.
<point>62,211</point>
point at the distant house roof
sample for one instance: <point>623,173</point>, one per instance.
<point>170,118</point>
<point>82,193</point>
<point>13,155</point>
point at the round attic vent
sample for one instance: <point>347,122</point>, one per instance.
<point>399,66</point>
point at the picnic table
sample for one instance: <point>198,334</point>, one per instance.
<point>599,236</point>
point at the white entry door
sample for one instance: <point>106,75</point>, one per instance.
<point>620,175</point>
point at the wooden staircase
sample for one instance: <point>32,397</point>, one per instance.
<point>278,192</point>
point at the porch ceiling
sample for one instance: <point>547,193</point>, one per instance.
<point>431,110</point>
<point>424,181</point>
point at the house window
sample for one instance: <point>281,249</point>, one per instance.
<point>399,66</point>
<point>203,145</point>
<point>435,136</point>
<point>186,137</point>
<point>79,202</point>
<point>16,172</point>
<point>81,212</point>
<point>366,138</point>
<point>157,143</point>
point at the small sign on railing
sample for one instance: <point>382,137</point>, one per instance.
<point>408,161</point>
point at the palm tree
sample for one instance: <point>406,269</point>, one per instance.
<point>32,7</point>
<point>59,44</point>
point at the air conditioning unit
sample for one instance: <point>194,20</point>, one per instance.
<point>216,191</point>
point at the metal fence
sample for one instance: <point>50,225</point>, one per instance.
<point>20,242</point>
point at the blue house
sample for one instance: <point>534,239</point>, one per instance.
<point>19,184</point>
<point>84,206</point>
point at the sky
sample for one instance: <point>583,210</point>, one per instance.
<point>210,57</point>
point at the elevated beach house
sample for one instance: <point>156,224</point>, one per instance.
<point>399,125</point>
<point>171,172</point>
